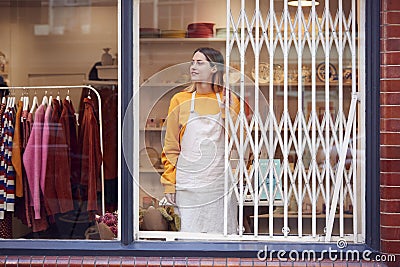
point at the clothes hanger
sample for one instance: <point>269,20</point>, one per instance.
<point>67,97</point>
<point>45,100</point>
<point>8,101</point>
<point>25,102</point>
<point>34,104</point>
<point>13,100</point>
<point>58,96</point>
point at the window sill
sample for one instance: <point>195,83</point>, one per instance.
<point>165,248</point>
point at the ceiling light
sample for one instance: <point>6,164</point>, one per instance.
<point>303,3</point>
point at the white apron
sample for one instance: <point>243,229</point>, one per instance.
<point>200,175</point>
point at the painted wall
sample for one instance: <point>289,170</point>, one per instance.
<point>74,42</point>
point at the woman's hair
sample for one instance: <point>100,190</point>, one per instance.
<point>215,58</point>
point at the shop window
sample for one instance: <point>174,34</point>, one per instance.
<point>60,168</point>
<point>294,148</point>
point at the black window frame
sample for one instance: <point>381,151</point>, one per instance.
<point>127,246</point>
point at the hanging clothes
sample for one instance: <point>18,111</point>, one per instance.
<point>9,168</point>
<point>32,159</point>
<point>17,151</point>
<point>22,203</point>
<point>6,226</point>
<point>45,150</point>
<point>58,195</point>
<point>89,137</point>
<point>109,130</point>
<point>7,175</point>
<point>25,211</point>
<point>68,122</point>
<point>109,111</point>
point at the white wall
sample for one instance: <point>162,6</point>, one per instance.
<point>86,30</point>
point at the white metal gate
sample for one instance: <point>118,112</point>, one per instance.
<point>277,139</point>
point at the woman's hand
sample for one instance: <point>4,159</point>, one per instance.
<point>170,198</point>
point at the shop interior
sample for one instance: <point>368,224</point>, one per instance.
<point>75,42</point>
<point>63,45</point>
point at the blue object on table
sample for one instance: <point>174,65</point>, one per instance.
<point>263,164</point>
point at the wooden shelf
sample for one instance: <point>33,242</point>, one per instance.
<point>93,82</point>
<point>152,170</point>
<point>170,85</point>
<point>318,84</point>
<point>181,40</point>
<point>153,129</point>
<point>305,216</point>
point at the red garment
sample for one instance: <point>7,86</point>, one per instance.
<point>68,122</point>
<point>89,137</point>
<point>109,113</point>
<point>58,195</point>
<point>6,226</point>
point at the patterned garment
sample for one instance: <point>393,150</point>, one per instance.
<point>7,174</point>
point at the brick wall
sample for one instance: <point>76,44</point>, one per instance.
<point>390,126</point>
<point>52,261</point>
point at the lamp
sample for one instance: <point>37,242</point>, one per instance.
<point>303,3</point>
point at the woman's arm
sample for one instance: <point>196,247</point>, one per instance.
<point>171,147</point>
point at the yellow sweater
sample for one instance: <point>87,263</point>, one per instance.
<point>178,115</point>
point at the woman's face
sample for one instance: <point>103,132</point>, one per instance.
<point>200,69</point>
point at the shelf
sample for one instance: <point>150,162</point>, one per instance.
<point>153,129</point>
<point>171,85</point>
<point>93,82</point>
<point>305,216</point>
<point>318,84</point>
<point>152,170</point>
<point>181,40</point>
<point>263,203</point>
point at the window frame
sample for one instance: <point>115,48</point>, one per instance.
<point>126,246</point>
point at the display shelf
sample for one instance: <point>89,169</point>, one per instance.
<point>151,170</point>
<point>152,129</point>
<point>318,84</point>
<point>181,40</point>
<point>173,85</point>
<point>95,82</point>
<point>305,216</point>
<point>263,203</point>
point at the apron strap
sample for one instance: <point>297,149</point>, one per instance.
<point>192,102</point>
<point>193,97</point>
<point>219,99</point>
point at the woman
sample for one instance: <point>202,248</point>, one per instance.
<point>193,153</point>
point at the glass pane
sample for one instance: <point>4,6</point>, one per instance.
<point>296,109</point>
<point>170,32</point>
<point>59,148</point>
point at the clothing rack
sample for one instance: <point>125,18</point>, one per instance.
<point>74,87</point>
